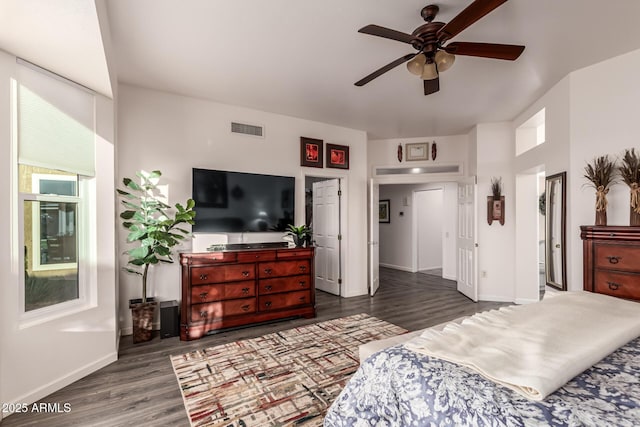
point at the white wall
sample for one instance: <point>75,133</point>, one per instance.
<point>495,148</point>
<point>429,209</point>
<point>398,242</point>
<point>157,130</point>
<point>603,120</point>
<point>39,359</point>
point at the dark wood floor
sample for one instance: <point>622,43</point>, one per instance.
<point>140,388</point>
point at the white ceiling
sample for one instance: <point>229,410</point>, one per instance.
<point>301,57</point>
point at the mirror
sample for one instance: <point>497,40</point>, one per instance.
<point>555,227</point>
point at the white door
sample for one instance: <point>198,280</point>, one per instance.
<point>326,230</point>
<point>374,236</point>
<point>467,236</point>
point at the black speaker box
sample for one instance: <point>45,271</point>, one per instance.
<point>169,319</point>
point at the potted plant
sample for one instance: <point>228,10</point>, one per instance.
<point>154,232</point>
<point>495,202</point>
<point>600,174</point>
<point>299,234</point>
<point>630,173</point>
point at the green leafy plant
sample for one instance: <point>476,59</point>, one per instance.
<point>150,225</point>
<point>496,188</point>
<point>299,233</point>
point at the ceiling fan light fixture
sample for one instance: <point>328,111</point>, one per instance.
<point>416,65</point>
<point>429,71</point>
<point>444,60</point>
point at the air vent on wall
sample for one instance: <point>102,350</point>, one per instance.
<point>246,129</point>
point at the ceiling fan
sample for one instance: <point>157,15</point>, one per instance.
<point>432,56</point>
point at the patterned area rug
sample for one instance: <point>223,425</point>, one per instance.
<point>285,378</point>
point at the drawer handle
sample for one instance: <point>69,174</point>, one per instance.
<point>302,298</point>
<point>245,290</point>
<point>303,268</point>
<point>268,288</point>
<point>614,259</point>
<point>267,304</point>
<point>203,295</point>
<point>203,314</point>
<point>245,273</point>
<point>268,270</point>
<point>302,283</point>
<point>245,307</point>
<point>203,277</point>
<point>613,286</point>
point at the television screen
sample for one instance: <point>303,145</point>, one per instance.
<point>239,202</point>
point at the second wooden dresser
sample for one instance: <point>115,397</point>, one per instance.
<point>612,260</point>
<point>235,288</point>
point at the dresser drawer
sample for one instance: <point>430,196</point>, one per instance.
<point>256,256</point>
<point>220,309</point>
<point>623,285</point>
<point>283,268</point>
<point>617,257</point>
<point>278,301</point>
<point>295,253</point>
<point>222,273</point>
<point>222,291</point>
<point>284,284</point>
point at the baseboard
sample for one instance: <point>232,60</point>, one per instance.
<point>397,267</point>
<point>525,300</point>
<point>454,278</point>
<point>494,298</point>
<point>129,330</point>
<point>62,382</point>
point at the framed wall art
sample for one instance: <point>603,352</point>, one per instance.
<point>337,156</point>
<point>384,211</point>
<point>311,151</point>
<point>417,151</point>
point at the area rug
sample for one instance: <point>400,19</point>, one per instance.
<point>285,378</point>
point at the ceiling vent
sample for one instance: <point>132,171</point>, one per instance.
<point>246,129</point>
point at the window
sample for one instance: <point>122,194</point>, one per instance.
<point>55,141</point>
<point>50,236</point>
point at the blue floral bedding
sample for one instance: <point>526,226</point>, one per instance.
<point>397,387</point>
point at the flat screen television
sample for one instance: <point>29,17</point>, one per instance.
<point>239,202</point>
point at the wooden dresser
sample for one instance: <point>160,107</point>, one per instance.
<point>235,288</point>
<point>612,260</point>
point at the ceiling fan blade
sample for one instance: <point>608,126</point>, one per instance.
<point>468,16</point>
<point>384,69</point>
<point>431,86</point>
<point>387,33</point>
<point>509,52</point>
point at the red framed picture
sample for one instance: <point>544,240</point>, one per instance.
<point>337,156</point>
<point>311,152</point>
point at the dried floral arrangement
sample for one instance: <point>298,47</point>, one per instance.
<point>630,174</point>
<point>601,174</point>
<point>496,187</point>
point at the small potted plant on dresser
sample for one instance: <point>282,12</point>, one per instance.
<point>299,234</point>
<point>601,175</point>
<point>155,232</point>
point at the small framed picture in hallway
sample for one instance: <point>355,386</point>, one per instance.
<point>384,211</point>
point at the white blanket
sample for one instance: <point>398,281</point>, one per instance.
<point>535,349</point>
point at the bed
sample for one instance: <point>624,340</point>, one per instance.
<point>402,386</point>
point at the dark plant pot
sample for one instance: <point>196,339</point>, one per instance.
<point>601,217</point>
<point>299,241</point>
<point>634,217</point>
<point>142,315</point>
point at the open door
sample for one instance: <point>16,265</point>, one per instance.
<point>374,235</point>
<point>467,239</point>
<point>326,231</point>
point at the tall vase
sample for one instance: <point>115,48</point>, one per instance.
<point>634,217</point>
<point>601,217</point>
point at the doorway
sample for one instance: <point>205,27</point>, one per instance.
<point>323,214</point>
